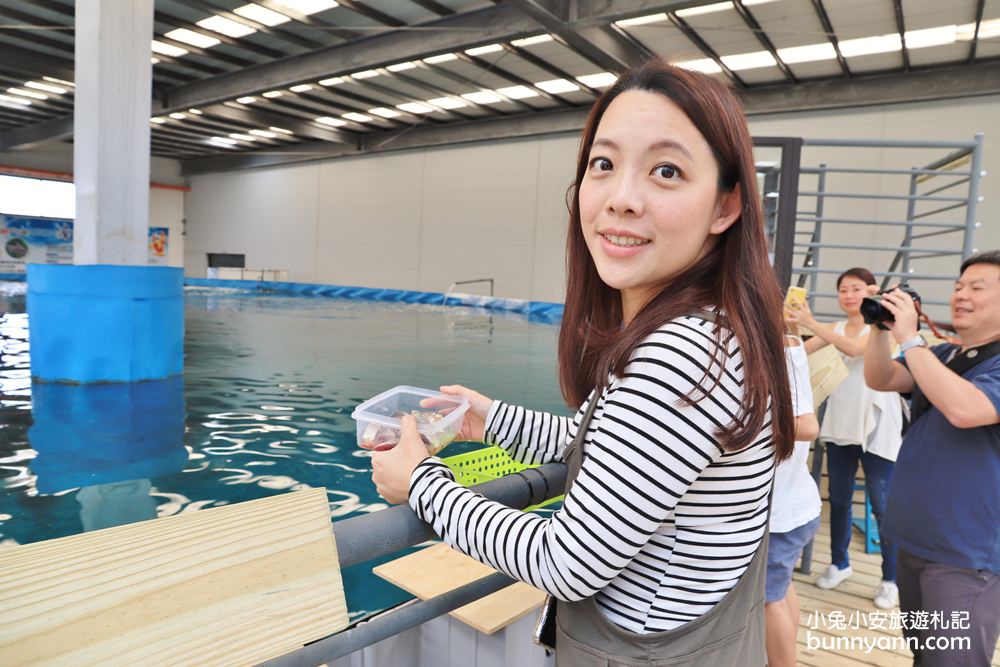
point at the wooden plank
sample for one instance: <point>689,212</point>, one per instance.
<point>232,585</point>
<point>439,569</point>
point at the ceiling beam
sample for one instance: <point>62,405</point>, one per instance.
<point>866,90</point>
<point>26,137</point>
<point>831,34</point>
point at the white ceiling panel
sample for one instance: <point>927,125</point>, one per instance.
<point>920,14</point>
<point>762,75</point>
<point>815,70</point>
<point>861,18</point>
<point>725,32</point>
<point>876,62</point>
<point>939,55</point>
<point>666,41</point>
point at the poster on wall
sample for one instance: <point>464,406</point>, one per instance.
<point>158,239</point>
<point>34,240</point>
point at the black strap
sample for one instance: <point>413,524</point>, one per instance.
<point>960,365</point>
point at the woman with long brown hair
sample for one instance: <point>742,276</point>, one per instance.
<point>671,349</point>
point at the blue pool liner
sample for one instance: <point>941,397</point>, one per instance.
<point>536,311</point>
<point>93,434</point>
<point>105,323</point>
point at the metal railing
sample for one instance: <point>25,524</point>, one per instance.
<point>444,301</point>
<point>940,197</point>
<point>366,537</point>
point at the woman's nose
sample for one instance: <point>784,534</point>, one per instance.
<point>625,198</point>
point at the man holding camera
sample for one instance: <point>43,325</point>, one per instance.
<point>944,501</point>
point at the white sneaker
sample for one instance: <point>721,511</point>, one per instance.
<point>887,595</point>
<point>833,577</point>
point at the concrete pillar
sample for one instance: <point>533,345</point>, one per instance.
<point>109,317</point>
<point>111,131</point>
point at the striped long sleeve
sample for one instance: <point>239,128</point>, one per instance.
<point>660,522</point>
<point>528,436</point>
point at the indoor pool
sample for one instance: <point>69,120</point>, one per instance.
<point>264,407</point>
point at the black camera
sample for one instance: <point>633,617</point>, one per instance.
<point>875,313</point>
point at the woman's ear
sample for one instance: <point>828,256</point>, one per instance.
<point>728,211</point>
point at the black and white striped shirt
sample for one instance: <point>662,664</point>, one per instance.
<point>660,523</point>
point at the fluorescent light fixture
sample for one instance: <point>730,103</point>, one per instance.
<point>401,67</point>
<point>272,94</point>
<point>415,107</point>
<point>327,120</point>
<point>262,133</point>
<point>356,117</point>
<point>807,53</point>
<point>703,65</point>
<point>557,86</point>
<point>261,15</point>
<point>642,20</point>
<point>384,112</point>
<point>178,116</point>
<point>168,49</point>
<point>988,29</point>
<point>483,97</point>
<point>47,87</point>
<point>27,93</point>
<point>159,120</point>
<point>447,102</point>
<point>242,137</point>
<point>225,26</point>
<point>441,58</point>
<point>301,88</point>
<point>280,130</point>
<point>599,80</point>
<point>223,141</point>
<point>196,112</point>
<point>73,85</point>
<point>704,9</point>
<point>249,99</point>
<point>531,41</point>
<point>332,81</point>
<point>866,46</point>
<point>483,50</point>
<point>366,74</point>
<point>308,6</point>
<point>154,60</point>
<point>15,102</point>
<point>920,39</point>
<point>754,60</point>
<point>517,92</point>
<point>191,37</point>
<point>751,3</point>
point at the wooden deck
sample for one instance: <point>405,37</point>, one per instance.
<point>854,596</point>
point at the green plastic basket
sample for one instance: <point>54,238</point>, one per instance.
<point>488,463</point>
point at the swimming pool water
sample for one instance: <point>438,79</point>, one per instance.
<point>263,408</point>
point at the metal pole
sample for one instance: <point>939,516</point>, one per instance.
<point>365,537</point>
<point>388,624</point>
<point>788,200</point>
<point>970,212</point>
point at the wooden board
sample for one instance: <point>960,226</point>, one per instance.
<point>439,569</point>
<point>231,585</point>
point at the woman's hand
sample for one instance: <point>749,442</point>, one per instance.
<point>392,469</point>
<point>474,422</point>
<point>805,315</point>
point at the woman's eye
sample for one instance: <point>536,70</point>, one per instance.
<point>666,171</point>
<point>600,164</point>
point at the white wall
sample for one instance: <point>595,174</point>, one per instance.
<point>166,205</point>
<point>424,219</point>
<point>414,220</point>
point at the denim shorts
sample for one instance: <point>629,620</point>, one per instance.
<point>783,550</point>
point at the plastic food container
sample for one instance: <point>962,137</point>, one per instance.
<point>379,424</point>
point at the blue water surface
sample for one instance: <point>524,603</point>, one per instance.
<point>263,408</point>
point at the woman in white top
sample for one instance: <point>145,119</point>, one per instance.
<point>795,510</point>
<point>860,424</point>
